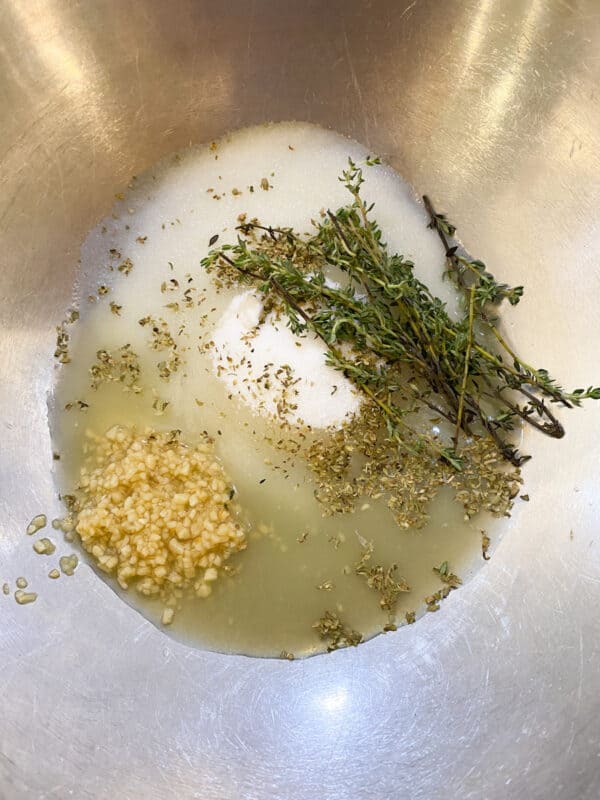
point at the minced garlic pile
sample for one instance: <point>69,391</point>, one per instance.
<point>156,513</point>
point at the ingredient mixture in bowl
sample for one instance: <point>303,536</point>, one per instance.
<point>278,430</point>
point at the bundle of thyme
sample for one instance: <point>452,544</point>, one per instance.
<point>399,346</point>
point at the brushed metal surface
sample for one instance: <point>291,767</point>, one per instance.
<point>494,109</point>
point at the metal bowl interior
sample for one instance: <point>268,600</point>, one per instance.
<point>493,109</point>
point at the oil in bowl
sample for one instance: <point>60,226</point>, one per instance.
<point>202,381</point>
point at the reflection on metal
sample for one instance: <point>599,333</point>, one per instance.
<point>475,35</point>
<point>514,72</point>
<point>492,108</point>
<point>67,60</point>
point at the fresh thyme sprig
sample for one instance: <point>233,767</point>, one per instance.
<point>391,337</point>
<point>534,385</point>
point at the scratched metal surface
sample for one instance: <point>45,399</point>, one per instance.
<point>493,108</point>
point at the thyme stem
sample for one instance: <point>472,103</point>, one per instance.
<point>463,386</point>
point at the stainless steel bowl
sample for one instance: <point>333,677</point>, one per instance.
<point>494,109</point>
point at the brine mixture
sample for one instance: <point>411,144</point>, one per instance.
<point>159,346</point>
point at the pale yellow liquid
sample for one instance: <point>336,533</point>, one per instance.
<point>271,605</point>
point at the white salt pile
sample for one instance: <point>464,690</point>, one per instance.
<point>298,386</point>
